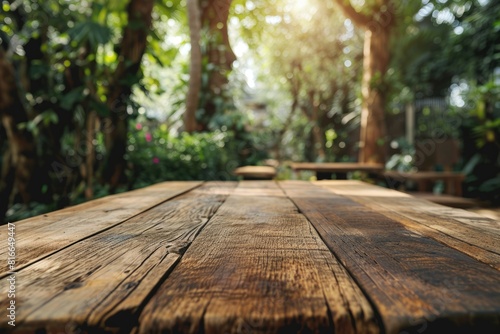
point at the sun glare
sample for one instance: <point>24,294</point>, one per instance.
<point>302,8</point>
<point>300,5</point>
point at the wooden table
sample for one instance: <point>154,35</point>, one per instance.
<point>324,170</point>
<point>425,180</point>
<point>255,257</point>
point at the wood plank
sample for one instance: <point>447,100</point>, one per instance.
<point>416,283</point>
<point>103,280</point>
<point>258,267</point>
<point>43,235</point>
<point>474,235</point>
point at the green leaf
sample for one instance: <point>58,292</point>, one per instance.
<point>137,25</point>
<point>98,12</point>
<point>154,34</point>
<point>89,31</point>
<point>100,107</point>
<point>49,117</point>
<point>37,71</point>
<point>156,58</point>
<point>74,96</point>
<point>490,185</point>
<point>45,118</point>
<point>130,80</point>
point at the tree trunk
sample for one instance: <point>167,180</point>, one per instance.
<point>214,17</point>
<point>318,137</point>
<point>295,87</point>
<point>132,49</point>
<point>20,159</point>
<point>378,28</point>
<point>90,155</point>
<point>373,126</point>
<point>311,111</point>
<point>193,94</point>
<point>88,171</point>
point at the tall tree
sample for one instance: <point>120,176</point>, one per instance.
<point>195,69</point>
<point>378,24</point>
<point>218,55</point>
<point>19,161</point>
<point>132,49</point>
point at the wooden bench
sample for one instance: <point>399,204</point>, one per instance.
<point>448,200</point>
<point>324,170</point>
<point>425,180</point>
<point>256,172</point>
<point>254,257</point>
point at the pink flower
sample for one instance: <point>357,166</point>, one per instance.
<point>148,137</point>
<point>156,160</point>
<point>138,126</point>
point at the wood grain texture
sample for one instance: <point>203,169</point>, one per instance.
<point>258,267</point>
<point>474,235</point>
<point>40,236</point>
<point>101,282</point>
<point>416,283</point>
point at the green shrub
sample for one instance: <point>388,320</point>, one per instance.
<point>155,155</point>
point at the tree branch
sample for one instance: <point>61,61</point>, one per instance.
<point>358,18</point>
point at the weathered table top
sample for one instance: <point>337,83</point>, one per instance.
<point>259,256</point>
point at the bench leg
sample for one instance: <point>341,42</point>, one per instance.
<point>323,176</point>
<point>424,185</point>
<point>341,176</point>
<point>458,188</point>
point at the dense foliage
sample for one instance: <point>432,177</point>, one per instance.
<point>154,155</point>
